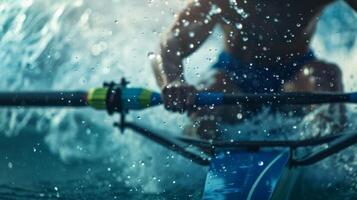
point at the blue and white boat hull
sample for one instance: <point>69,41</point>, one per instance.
<point>253,175</point>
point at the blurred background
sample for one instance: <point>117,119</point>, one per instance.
<point>77,154</point>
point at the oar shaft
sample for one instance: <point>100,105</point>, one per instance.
<point>206,98</point>
<point>44,99</point>
<point>138,98</point>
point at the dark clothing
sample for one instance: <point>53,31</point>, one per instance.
<point>260,79</point>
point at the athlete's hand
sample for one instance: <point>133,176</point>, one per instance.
<point>179,96</point>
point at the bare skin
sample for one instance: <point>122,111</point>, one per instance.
<point>258,32</point>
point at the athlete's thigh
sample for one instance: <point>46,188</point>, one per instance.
<point>319,76</point>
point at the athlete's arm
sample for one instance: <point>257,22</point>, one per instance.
<point>192,27</point>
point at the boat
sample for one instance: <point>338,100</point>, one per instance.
<point>249,169</point>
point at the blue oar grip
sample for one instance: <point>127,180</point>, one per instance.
<point>209,98</point>
<point>353,97</point>
<point>156,99</point>
<point>202,99</point>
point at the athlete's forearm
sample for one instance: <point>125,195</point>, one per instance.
<point>172,67</point>
<point>192,28</point>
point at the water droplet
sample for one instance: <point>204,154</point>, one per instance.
<point>151,55</point>
<point>239,26</point>
<point>185,23</point>
<point>215,10</point>
<point>239,116</point>
<point>176,32</point>
<point>260,163</point>
<point>10,165</point>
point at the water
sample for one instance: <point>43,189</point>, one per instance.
<point>77,154</point>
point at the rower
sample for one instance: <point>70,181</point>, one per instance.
<point>267,49</point>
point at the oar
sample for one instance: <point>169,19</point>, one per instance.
<point>44,99</point>
<point>117,99</point>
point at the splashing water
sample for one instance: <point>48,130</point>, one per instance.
<point>80,44</point>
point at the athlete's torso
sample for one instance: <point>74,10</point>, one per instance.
<point>263,31</point>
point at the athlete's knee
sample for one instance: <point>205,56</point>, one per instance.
<point>324,69</point>
<point>327,73</point>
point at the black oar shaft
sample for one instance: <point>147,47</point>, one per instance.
<point>336,146</point>
<point>138,98</point>
<point>286,98</point>
<point>44,99</point>
<point>168,142</point>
